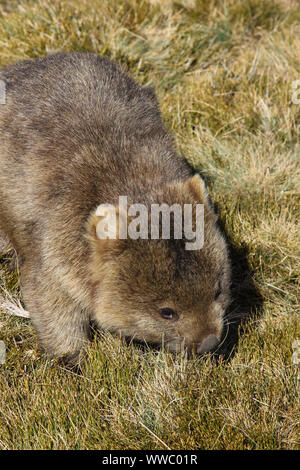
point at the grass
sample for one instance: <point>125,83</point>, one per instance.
<point>223,72</point>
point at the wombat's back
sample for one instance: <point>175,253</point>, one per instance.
<point>69,95</point>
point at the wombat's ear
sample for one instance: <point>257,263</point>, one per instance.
<point>197,187</point>
<point>106,226</point>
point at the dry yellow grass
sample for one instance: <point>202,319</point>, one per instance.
<point>224,74</point>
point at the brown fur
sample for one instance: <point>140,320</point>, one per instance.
<point>76,132</point>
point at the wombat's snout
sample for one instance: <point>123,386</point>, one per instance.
<point>209,343</point>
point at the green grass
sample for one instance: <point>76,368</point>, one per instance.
<point>223,72</point>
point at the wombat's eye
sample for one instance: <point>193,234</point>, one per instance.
<point>168,313</point>
<point>219,291</point>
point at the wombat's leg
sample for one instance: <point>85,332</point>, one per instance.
<point>62,325</point>
<point>63,332</point>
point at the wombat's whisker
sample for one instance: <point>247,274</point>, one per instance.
<point>224,339</point>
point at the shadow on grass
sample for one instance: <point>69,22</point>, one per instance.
<point>247,301</point>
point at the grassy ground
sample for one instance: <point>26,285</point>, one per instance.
<point>223,72</point>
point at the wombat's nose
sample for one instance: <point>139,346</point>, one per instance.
<point>207,344</point>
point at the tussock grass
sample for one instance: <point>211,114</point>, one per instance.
<point>223,72</point>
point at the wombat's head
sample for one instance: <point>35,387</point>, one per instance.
<point>157,290</point>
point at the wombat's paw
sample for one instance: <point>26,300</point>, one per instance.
<point>11,261</point>
<point>73,361</point>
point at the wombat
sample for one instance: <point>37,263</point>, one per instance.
<point>76,132</point>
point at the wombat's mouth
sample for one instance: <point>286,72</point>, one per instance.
<point>209,343</point>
